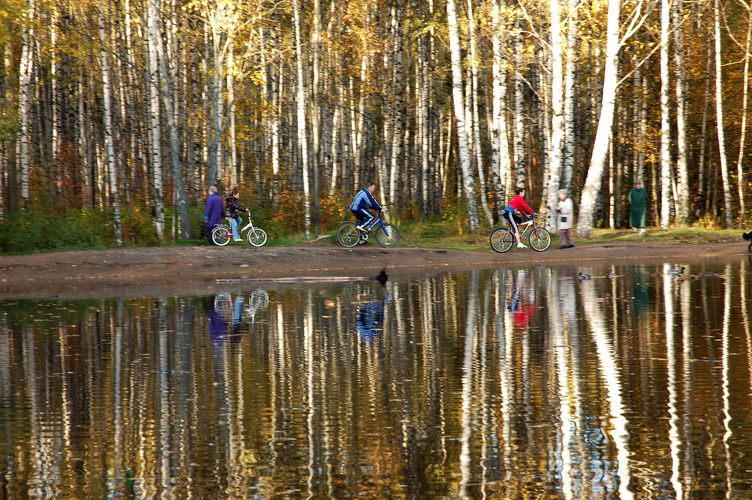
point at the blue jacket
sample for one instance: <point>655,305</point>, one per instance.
<point>364,199</point>
<point>214,210</point>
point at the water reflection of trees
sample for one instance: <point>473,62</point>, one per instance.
<point>509,383</point>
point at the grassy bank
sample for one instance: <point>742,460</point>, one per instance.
<point>44,229</point>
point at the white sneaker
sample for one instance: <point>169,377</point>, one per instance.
<point>359,228</point>
<point>237,239</point>
<point>521,245</point>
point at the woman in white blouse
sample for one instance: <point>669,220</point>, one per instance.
<point>565,211</point>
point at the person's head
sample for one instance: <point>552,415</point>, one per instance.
<point>371,187</point>
<point>235,192</point>
<point>638,185</point>
<point>563,194</point>
<point>212,190</point>
<point>520,191</point>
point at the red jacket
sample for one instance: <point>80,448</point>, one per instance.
<point>518,203</point>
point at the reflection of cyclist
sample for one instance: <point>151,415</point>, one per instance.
<point>517,204</point>
<point>217,323</point>
<point>522,313</point>
<point>370,318</point>
<point>362,202</point>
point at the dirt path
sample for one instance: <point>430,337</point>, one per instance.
<point>195,270</point>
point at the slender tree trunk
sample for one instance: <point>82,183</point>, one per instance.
<point>682,209</point>
<point>168,92</point>
<point>108,139</point>
<point>316,113</point>
<point>569,97</point>
<point>154,39</point>
<point>743,134</point>
<point>719,115</point>
<point>599,157</point>
<point>301,119</point>
<point>557,114</point>
<point>474,118</point>
<point>501,164</point>
<point>26,72</point>
<point>520,160</point>
<point>468,188</point>
<point>665,116</point>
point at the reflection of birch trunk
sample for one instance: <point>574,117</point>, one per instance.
<point>505,334</point>
<point>611,377</point>
<point>467,386</point>
<point>687,378</point>
<point>311,430</point>
<point>561,359</point>
<point>673,383</point>
<point>162,388</point>
<point>725,353</point>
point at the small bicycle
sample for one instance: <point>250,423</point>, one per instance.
<point>539,239</point>
<point>222,234</point>
<point>387,235</point>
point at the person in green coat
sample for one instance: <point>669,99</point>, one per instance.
<point>638,199</point>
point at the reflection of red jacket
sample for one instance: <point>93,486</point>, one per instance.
<point>523,315</point>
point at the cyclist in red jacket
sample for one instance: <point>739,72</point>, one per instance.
<point>517,204</point>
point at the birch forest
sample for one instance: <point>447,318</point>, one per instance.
<point>116,106</point>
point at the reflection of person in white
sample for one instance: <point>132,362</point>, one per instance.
<point>362,202</point>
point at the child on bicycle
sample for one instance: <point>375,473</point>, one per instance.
<point>232,207</point>
<point>360,205</point>
<point>517,204</point>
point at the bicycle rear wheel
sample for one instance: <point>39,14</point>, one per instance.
<point>257,237</point>
<point>347,235</point>
<point>502,240</point>
<point>539,239</point>
<point>221,235</point>
<point>387,235</point>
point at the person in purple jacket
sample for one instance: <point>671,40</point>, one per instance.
<point>213,213</point>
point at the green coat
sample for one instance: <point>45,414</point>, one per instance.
<point>638,198</point>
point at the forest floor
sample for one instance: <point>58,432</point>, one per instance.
<point>203,270</point>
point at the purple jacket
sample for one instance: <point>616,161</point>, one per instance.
<point>214,210</point>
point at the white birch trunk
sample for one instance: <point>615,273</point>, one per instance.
<point>557,114</point>
<point>682,208</point>
<point>501,164</point>
<point>468,188</point>
<point>108,139</point>
<point>520,162</point>
<point>168,92</point>
<point>743,134</point>
<point>397,127</point>
<point>230,82</point>
<point>592,187</point>
<point>153,39</point>
<point>569,97</point>
<point>719,115</point>
<point>25,74</point>
<point>301,119</point>
<point>665,117</point>
<point>474,115</point>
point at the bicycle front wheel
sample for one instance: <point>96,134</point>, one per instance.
<point>387,235</point>
<point>221,235</point>
<point>539,239</point>
<point>502,240</point>
<point>348,236</point>
<point>257,237</point>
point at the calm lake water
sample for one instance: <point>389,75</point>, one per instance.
<point>509,383</point>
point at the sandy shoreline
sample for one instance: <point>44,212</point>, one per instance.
<point>166,271</point>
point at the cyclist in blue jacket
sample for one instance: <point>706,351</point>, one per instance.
<point>362,202</point>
